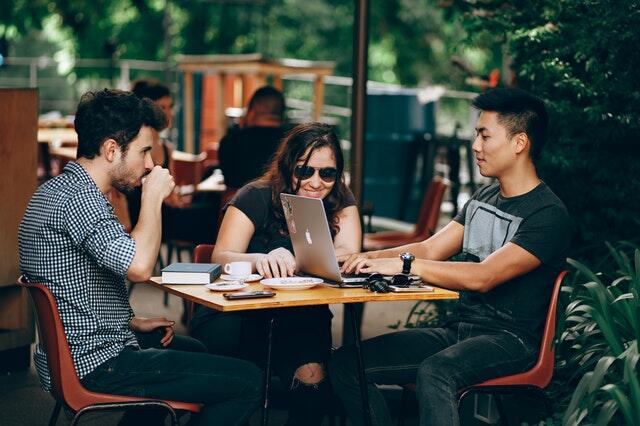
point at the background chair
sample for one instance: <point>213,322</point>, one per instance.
<point>425,226</point>
<point>66,388</point>
<point>201,254</point>
<point>532,381</point>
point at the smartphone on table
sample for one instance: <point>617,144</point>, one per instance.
<point>248,295</point>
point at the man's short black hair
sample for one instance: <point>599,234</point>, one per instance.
<point>113,114</point>
<point>519,111</point>
<point>268,100</point>
<point>150,88</point>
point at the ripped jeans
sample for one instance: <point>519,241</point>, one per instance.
<point>440,361</point>
<point>300,336</point>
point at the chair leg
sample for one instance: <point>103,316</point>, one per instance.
<point>504,420</point>
<point>54,414</point>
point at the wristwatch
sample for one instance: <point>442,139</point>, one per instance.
<point>407,258</point>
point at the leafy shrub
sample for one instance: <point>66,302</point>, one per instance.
<point>598,348</point>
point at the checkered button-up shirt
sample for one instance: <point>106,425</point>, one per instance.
<point>71,241</point>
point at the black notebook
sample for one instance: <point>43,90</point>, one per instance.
<point>190,273</point>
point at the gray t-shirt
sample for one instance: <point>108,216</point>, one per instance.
<point>536,221</point>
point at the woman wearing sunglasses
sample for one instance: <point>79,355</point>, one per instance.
<point>309,162</point>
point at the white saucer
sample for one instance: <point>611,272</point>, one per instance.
<point>246,278</point>
<point>291,283</point>
<point>226,286</point>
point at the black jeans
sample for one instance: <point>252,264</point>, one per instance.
<point>300,336</point>
<point>230,389</point>
<point>440,361</point>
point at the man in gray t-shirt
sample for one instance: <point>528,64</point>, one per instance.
<point>512,237</point>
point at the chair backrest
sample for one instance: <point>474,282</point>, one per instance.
<point>65,385</point>
<point>430,207</point>
<point>541,373</point>
<point>202,253</point>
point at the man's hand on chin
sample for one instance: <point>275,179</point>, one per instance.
<point>147,325</point>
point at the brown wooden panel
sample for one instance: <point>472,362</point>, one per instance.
<point>18,162</point>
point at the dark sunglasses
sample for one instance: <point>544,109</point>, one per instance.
<point>376,282</point>
<point>327,174</point>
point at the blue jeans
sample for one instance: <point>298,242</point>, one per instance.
<point>230,389</point>
<point>440,361</point>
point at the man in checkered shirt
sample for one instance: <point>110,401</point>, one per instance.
<point>71,240</point>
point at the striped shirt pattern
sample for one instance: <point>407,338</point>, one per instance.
<point>71,241</point>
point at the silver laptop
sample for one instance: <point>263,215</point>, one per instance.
<point>312,242</point>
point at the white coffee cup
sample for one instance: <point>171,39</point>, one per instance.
<point>238,269</point>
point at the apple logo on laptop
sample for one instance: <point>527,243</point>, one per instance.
<point>308,235</point>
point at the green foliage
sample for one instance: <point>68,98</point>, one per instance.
<point>598,348</point>
<point>410,41</point>
<point>582,57</point>
<point>427,313</point>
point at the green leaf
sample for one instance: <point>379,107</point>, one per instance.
<point>574,409</point>
<point>584,270</point>
<point>606,413</point>
<point>616,394</point>
<point>600,372</point>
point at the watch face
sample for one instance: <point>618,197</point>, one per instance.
<point>407,256</point>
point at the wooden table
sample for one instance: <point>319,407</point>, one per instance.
<point>214,183</point>
<point>320,295</point>
<point>56,136</point>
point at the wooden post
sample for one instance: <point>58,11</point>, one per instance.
<point>188,116</point>
<point>318,98</point>
<point>219,106</point>
<point>277,82</point>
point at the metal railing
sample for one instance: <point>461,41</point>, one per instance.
<point>60,88</point>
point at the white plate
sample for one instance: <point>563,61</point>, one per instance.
<point>291,283</point>
<point>226,286</point>
<point>248,278</point>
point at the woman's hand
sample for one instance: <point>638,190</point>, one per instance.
<point>147,325</point>
<point>277,263</point>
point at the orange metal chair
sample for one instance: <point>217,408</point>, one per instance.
<point>533,380</point>
<point>425,227</point>
<point>201,254</point>
<point>66,388</point>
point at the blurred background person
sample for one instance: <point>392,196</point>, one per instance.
<point>162,149</point>
<point>248,148</point>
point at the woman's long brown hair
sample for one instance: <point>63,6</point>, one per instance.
<point>279,175</point>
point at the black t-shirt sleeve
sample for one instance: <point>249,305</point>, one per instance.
<point>546,234</point>
<point>254,200</point>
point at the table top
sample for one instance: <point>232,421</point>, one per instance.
<point>55,136</point>
<point>65,152</point>
<point>319,295</point>
<point>214,183</point>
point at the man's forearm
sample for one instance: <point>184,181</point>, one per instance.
<point>416,248</point>
<point>147,235</point>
